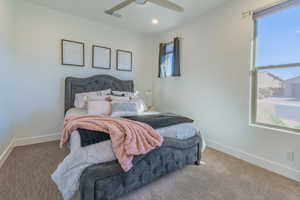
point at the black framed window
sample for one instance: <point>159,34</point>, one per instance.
<point>169,59</point>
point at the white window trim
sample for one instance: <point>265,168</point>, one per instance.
<point>278,130</point>
<point>253,88</point>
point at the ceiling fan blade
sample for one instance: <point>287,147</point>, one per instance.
<point>119,6</point>
<point>168,4</point>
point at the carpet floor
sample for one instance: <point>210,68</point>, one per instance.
<point>26,176</point>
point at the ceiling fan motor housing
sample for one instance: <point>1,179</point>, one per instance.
<point>140,1</point>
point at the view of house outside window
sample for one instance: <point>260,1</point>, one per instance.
<point>277,69</point>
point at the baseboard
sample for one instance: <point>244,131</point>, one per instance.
<point>36,139</point>
<point>26,141</point>
<point>6,153</point>
<point>256,160</point>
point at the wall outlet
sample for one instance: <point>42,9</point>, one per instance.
<point>290,156</point>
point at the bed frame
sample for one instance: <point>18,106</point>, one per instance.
<point>107,181</point>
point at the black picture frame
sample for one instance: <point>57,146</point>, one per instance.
<point>94,57</point>
<point>118,61</point>
<point>81,45</point>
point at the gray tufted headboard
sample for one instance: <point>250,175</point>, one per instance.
<point>94,83</point>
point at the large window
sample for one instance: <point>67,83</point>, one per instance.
<point>276,73</point>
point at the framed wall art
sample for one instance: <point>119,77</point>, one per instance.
<point>124,60</point>
<point>101,57</point>
<point>72,53</point>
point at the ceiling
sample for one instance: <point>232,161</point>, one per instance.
<point>134,17</point>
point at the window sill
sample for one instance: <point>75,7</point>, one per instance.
<point>279,130</point>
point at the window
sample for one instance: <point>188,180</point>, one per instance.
<point>276,71</point>
<point>169,59</point>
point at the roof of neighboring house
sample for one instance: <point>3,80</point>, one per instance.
<point>293,79</point>
<point>269,80</point>
<point>273,76</point>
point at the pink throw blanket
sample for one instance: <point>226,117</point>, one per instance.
<point>129,138</point>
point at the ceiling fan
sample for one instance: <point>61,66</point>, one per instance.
<point>163,3</point>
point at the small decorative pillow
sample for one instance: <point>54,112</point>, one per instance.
<point>123,99</point>
<point>99,108</point>
<point>122,94</point>
<point>122,109</point>
<point>117,94</point>
<point>104,92</point>
<point>80,98</point>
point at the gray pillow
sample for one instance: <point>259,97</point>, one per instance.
<point>122,109</point>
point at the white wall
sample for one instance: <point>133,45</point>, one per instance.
<point>214,88</point>
<point>41,76</point>
<point>7,69</point>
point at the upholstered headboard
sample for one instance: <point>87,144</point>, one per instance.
<point>94,83</point>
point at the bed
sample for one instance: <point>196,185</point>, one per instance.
<point>107,181</point>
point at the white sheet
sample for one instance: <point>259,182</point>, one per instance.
<point>68,173</point>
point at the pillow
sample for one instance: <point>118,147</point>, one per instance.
<point>122,109</point>
<point>117,94</point>
<point>80,98</point>
<point>141,105</point>
<point>96,98</point>
<point>107,98</point>
<point>123,99</point>
<point>126,94</point>
<point>104,92</point>
<point>76,112</point>
<point>99,107</point>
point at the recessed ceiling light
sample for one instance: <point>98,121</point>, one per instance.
<point>155,21</point>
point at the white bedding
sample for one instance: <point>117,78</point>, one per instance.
<point>68,173</point>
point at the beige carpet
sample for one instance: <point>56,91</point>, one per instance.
<point>26,176</point>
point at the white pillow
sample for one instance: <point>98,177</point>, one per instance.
<point>76,112</point>
<point>107,98</point>
<point>95,98</point>
<point>99,108</point>
<point>104,92</point>
<point>141,105</point>
<point>80,98</point>
<point>122,109</point>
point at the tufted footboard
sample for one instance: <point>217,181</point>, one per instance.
<point>108,181</point>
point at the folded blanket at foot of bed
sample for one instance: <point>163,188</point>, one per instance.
<point>129,138</point>
<point>161,120</point>
<point>157,121</point>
